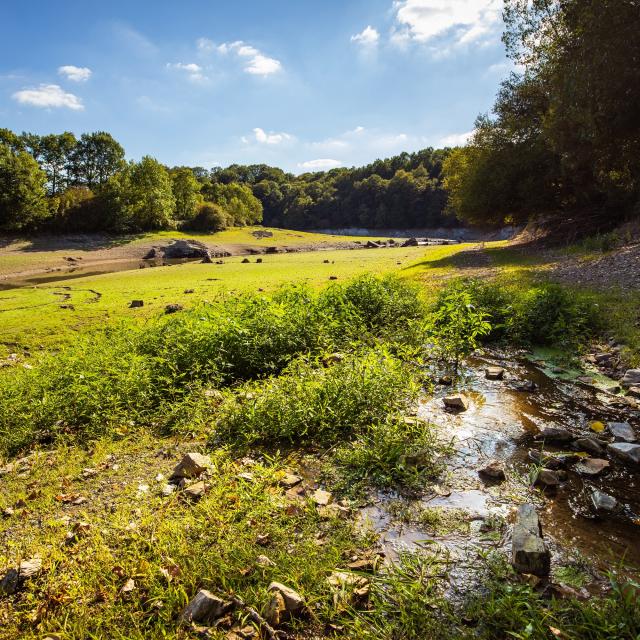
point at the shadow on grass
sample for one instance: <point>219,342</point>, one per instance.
<point>83,241</point>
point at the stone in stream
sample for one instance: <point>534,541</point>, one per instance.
<point>602,501</point>
<point>458,402</point>
<point>592,466</point>
<point>494,373</point>
<point>547,478</point>
<point>555,434</point>
<point>529,553</point>
<point>191,466</point>
<point>589,445</point>
<point>621,431</point>
<point>625,451</point>
<point>205,608</point>
<point>631,378</point>
<point>494,470</point>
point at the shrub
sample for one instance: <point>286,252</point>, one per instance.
<point>307,405</point>
<point>209,217</point>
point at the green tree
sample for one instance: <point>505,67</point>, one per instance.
<point>97,156</point>
<point>151,201</point>
<point>56,156</point>
<point>186,191</point>
<point>22,190</point>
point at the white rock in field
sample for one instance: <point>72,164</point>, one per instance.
<point>191,466</point>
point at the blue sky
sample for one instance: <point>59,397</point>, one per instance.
<point>299,84</point>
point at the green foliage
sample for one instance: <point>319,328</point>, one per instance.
<point>22,190</point>
<point>456,325</point>
<point>308,405</point>
<point>186,191</point>
<point>209,217</point>
<point>238,202</point>
<point>552,315</point>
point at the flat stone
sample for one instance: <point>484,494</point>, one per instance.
<point>290,480</point>
<point>555,434</point>
<point>589,445</point>
<point>322,498</point>
<point>195,491</point>
<point>592,466</point>
<point>457,402</point>
<point>547,478</point>
<point>191,466</point>
<point>494,373</point>
<point>602,501</point>
<point>622,431</point>
<point>631,378</point>
<point>625,451</point>
<point>494,470</point>
<point>205,608</point>
<point>529,551</point>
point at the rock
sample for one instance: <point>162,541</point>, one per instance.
<point>411,242</point>
<point>373,245</point>
<point>195,491</point>
<point>493,470</point>
<point>151,254</point>
<point>167,490</point>
<point>205,608</point>
<point>602,358</point>
<point>634,392</point>
<point>189,291</point>
<point>592,466</point>
<point>322,498</point>
<point>13,578</point>
<point>528,386</point>
<point>547,478</point>
<point>589,445</point>
<point>621,431</point>
<point>272,250</point>
<point>293,601</point>
<point>625,451</point>
<point>173,308</point>
<point>333,277</point>
<point>136,304</point>
<point>457,402</point>
<point>265,561</point>
<point>290,480</point>
<point>631,378</point>
<point>276,610</point>
<point>191,466</point>
<point>326,262</point>
<point>207,259</point>
<point>529,552</point>
<point>602,501</point>
<point>258,260</point>
<point>245,261</point>
<point>185,249</point>
<point>445,381</point>
<point>555,434</point>
<point>494,373</point>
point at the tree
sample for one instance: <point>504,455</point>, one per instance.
<point>56,156</point>
<point>22,190</point>
<point>238,201</point>
<point>96,158</point>
<point>186,191</point>
<point>151,202</point>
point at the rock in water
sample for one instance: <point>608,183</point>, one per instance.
<point>493,470</point>
<point>602,501</point>
<point>457,402</point>
<point>592,466</point>
<point>191,466</point>
<point>621,431</point>
<point>631,378</point>
<point>205,608</point>
<point>494,373</point>
<point>626,451</point>
<point>555,434</point>
<point>529,551</point>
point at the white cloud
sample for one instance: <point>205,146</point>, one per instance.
<point>76,74</point>
<point>321,164</point>
<point>48,95</point>
<point>368,37</point>
<point>466,21</point>
<point>373,141</point>
<point>262,137</point>
<point>193,70</point>
<point>255,62</point>
<point>455,139</point>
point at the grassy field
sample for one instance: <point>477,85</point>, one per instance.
<point>50,313</point>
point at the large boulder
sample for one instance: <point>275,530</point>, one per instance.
<point>529,552</point>
<point>185,249</point>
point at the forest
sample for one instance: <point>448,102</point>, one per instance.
<point>60,183</point>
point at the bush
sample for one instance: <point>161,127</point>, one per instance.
<point>209,217</point>
<point>307,405</point>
